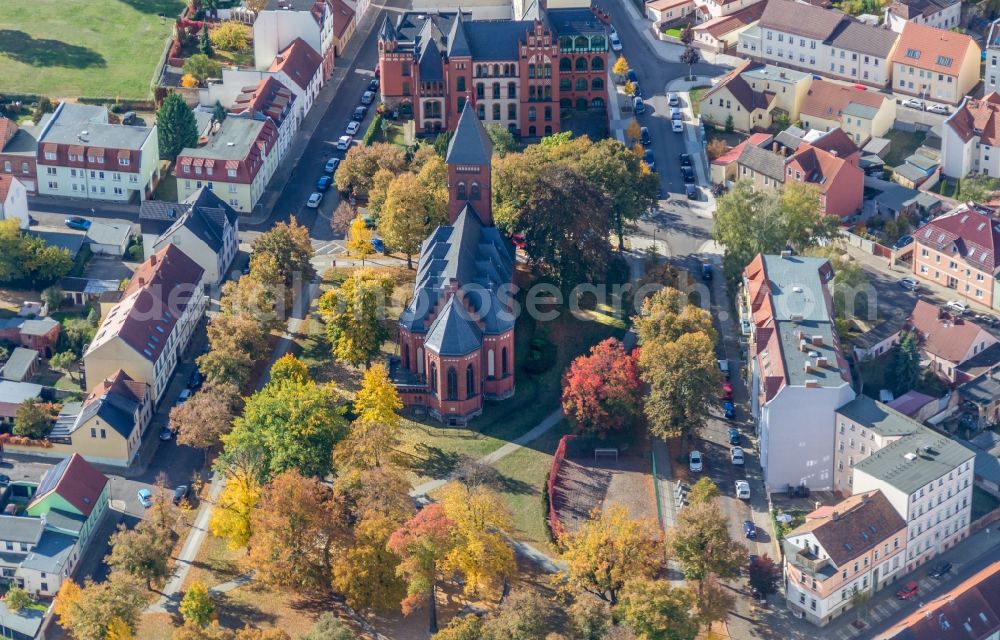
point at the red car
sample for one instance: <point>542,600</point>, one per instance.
<point>727,391</point>
<point>519,240</point>
<point>909,591</point>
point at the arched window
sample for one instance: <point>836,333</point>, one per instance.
<point>531,71</point>
<point>470,382</point>
<point>460,83</point>
<point>565,103</point>
<point>481,111</point>
<point>581,84</point>
<point>434,378</point>
<point>511,90</point>
<point>565,64</point>
<point>597,64</point>
<point>596,84</point>
<point>565,43</point>
<point>581,43</point>
<point>452,384</point>
<point>532,114</point>
<point>474,191</point>
<point>490,364</point>
<point>461,191</point>
<point>480,90</point>
<point>581,64</point>
<point>406,356</point>
<point>479,70</point>
<point>597,103</point>
<point>496,70</point>
<point>503,362</point>
<point>512,112</point>
<point>420,361</point>
<point>548,114</point>
<point>496,111</point>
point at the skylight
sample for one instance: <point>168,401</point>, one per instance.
<point>913,53</point>
<point>944,61</point>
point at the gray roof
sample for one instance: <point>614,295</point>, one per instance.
<point>860,110</point>
<point>863,38</point>
<point>38,326</point>
<point>62,239</point>
<point>88,285</point>
<point>575,22</point>
<point>987,467</point>
<point>290,5</point>
<point>23,143</point>
<point>205,216</point>
<point>901,466</point>
<point>20,529</point>
<point>231,142</point>
<point>763,161</point>
<point>771,73</point>
<point>18,364</point>
<point>386,32</point>
<point>454,332</point>
<point>117,410</point>
<point>112,234</point>
<point>496,39</point>
<point>65,521</point>
<point>18,392</point>
<point>470,144</point>
<point>789,138</point>
<point>983,389</point>
<point>888,327</point>
<point>429,58</point>
<point>800,18</point>
<point>88,125</point>
<point>910,172</point>
<point>458,43</point>
<point>922,162</point>
<point>878,417</point>
<point>51,553</point>
<point>896,197</point>
<point>23,625</point>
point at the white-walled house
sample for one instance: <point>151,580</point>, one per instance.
<point>13,200</point>
<point>283,21</point>
<point>970,138</point>
<point>274,101</point>
<point>940,14</point>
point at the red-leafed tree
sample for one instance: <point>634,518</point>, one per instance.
<point>423,543</point>
<point>601,391</point>
<point>765,574</point>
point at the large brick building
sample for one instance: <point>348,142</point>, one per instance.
<point>457,334</point>
<point>519,73</point>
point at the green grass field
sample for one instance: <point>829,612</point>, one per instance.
<point>78,48</point>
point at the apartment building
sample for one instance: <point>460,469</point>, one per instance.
<point>857,545</point>
<point>817,40</point>
<point>940,14</point>
<point>750,94</point>
<point>237,162</point>
<point>991,75</point>
<point>928,479</point>
<point>934,64</point>
<point>860,114</point>
<point>864,426</point>
<point>270,100</point>
<point>947,340</point>
<point>82,155</point>
<point>970,138</point>
<point>18,148</point>
<point>961,250</point>
<point>283,21</point>
<point>145,334</point>
<point>723,33</point>
<point>838,180</point>
<point>798,375</point>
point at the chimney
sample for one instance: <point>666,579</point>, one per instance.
<point>774,147</point>
<point>807,366</point>
<point>142,281</point>
<point>152,260</point>
<point>800,334</point>
<point>822,361</point>
<point>786,253</point>
<point>802,345</point>
<point>833,152</point>
<point>817,341</point>
<point>835,516</point>
<point>812,384</point>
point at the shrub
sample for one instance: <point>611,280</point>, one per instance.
<point>188,81</point>
<point>231,36</point>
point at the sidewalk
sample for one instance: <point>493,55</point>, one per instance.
<point>693,133</point>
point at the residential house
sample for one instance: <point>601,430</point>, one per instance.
<point>724,168</point>
<point>980,397</point>
<point>882,337</point>
<point>934,64</point>
<point>961,250</point>
<point>344,25</point>
<point>82,155</point>
<point>81,291</point>
<point>750,94</point>
<point>818,40</point>
<point>204,227</point>
<point>987,465</point>
<point>722,34</point>
<point>838,179</point>
<point>283,21</point>
<point>864,426</point>
<point>928,479</point>
<point>21,366</point>
<point>947,340</point>
<point>664,12</point>
<point>763,168</point>
<point>146,333</point>
<point>916,169</point>
<point>940,14</point>
<point>237,162</point>
<point>798,375</point>
<point>12,394</point>
<point>109,239</point>
<point>18,147</point>
<point>970,138</point>
<point>709,10</point>
<point>991,76</point>
<point>523,73</point>
<point>40,334</point>
<point>457,335</point>
<point>856,545</point>
<point>860,114</point>
<point>916,405</point>
<point>274,101</point>
<point>13,200</point>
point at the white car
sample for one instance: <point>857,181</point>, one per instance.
<point>913,103</point>
<point>958,306</point>
<point>677,126</point>
<point>694,461</point>
<point>343,142</point>
<point>352,127</point>
<point>183,397</point>
<point>742,489</point>
<point>673,100</point>
<point>736,453</point>
<point>910,284</point>
<point>616,43</point>
<point>314,200</point>
<point>939,109</point>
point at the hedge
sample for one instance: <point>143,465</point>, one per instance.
<point>373,129</point>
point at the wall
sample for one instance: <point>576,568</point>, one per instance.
<point>15,207</point>
<point>275,30</point>
<point>237,194</point>
<point>931,264</point>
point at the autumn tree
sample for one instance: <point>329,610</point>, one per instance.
<point>716,148</point>
<point>356,173</point>
<point>713,600</point>
<point>481,552</point>
<point>700,542</point>
<point>374,432</point>
<point>328,627</point>
<point>690,57</point>
<point>354,314</point>
<point>589,617</point>
<point>524,615</point>
<point>91,611</point>
<point>423,544</point>
<point>359,239</point>
<point>657,611</point>
<point>32,419</point>
<point>231,517</point>
<point>340,222</point>
<point>287,244</point>
<point>17,599</point>
<point>118,629</point>
<point>196,605</point>
<point>602,391</point>
<point>609,549</point>
<point>683,378</point>
<point>143,552</point>
<point>413,208</point>
<point>249,297</point>
<point>201,67</point>
<point>667,315</point>
<point>765,575</point>
<point>620,67</point>
<point>633,131</point>
<point>213,631</point>
<point>468,627</point>
<point>206,417</point>
<point>231,36</point>
<point>703,492</point>
<point>235,342</point>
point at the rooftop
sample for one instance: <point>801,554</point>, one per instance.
<point>19,364</point>
<point>933,49</point>
<point>830,100</point>
<point>977,117</point>
<point>916,460</point>
<point>232,141</point>
<point>879,418</point>
<point>78,124</point>
<point>944,334</point>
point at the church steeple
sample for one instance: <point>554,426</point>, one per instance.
<point>468,158</point>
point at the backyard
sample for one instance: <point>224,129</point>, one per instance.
<point>902,145</point>
<point>66,48</point>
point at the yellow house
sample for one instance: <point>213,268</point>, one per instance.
<point>934,64</point>
<point>862,114</point>
<point>750,94</point>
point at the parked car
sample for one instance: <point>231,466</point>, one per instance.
<point>958,306</point>
<point>724,368</point>
<point>367,97</point>
<point>685,159</point>
<point>676,114</point>
<point>706,271</point>
<point>344,142</point>
<point>166,435</point>
<point>196,380</point>
<point>688,174</point>
<point>644,136</point>
<point>647,157</point>
<point>913,103</point>
<point>4,478</point>
<point>939,571</point>
<point>373,85</point>
<point>677,126</point>
<point>183,397</point>
<point>694,461</point>
<point>903,241</point>
<point>181,493</point>
<point>324,183</point>
<point>352,127</point>
<point>359,113</point>
<point>78,223</point>
<point>939,109</point>
<point>749,529</point>
<point>638,106</point>
<point>743,493</point>
<point>727,391</point>
<point>729,409</point>
<point>910,284</point>
<point>632,76</point>
<point>673,100</point>
<point>129,117</point>
<point>734,435</point>
<point>314,200</point>
<point>378,245</point>
<point>909,591</point>
<point>736,455</point>
<point>331,165</point>
<point>145,497</point>
<point>616,42</point>
<point>692,191</point>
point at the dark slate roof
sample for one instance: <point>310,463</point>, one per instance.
<point>454,332</point>
<point>386,32</point>
<point>496,39</point>
<point>864,38</point>
<point>64,521</point>
<point>458,43</point>
<point>764,162</point>
<point>470,144</point>
<point>575,22</point>
<point>156,216</point>
<point>51,553</point>
<point>206,218</point>
<point>429,60</point>
<point>77,481</point>
<point>115,408</point>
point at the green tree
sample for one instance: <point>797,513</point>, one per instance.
<point>667,315</point>
<point>701,544</point>
<point>468,627</point>
<point>53,297</point>
<point>629,186</point>
<point>850,286</point>
<point>354,314</point>
<point>328,627</point>
<point>288,246</point>
<point>63,361</point>
<point>76,334</point>
<point>906,364</point>
<point>703,492</point>
<point>657,611</point>
<point>17,599</point>
<point>27,260</point>
<point>218,112</point>
<point>196,605</point>
<point>524,615</point>
<point>356,173</point>
<point>977,187</point>
<point>176,128</point>
<point>690,57</point>
<point>31,419</point>
<point>683,378</point>
<point>201,67</point>
<point>503,139</point>
<point>204,42</point>
<point>143,552</point>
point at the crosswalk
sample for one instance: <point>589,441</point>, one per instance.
<point>887,607</point>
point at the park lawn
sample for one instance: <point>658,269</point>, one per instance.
<point>94,48</point>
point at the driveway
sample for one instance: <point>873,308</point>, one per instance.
<point>107,268</point>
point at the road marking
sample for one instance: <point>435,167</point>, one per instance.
<point>365,72</point>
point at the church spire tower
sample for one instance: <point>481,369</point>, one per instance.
<point>468,159</point>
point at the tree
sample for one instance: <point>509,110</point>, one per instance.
<point>67,597</point>
<point>191,631</point>
<point>713,600</point>
<point>503,140</point>
<point>204,42</point>
<point>17,599</point>
<point>977,187</point>
<point>218,112</point>
<point>625,180</point>
<point>683,378</point>
<point>608,550</point>
<point>143,552</point>
<point>860,598</point>
<point>359,239</point>
<point>703,492</point>
<point>31,419</point>
<point>701,544</point>
<point>294,425</point>
<point>343,215</point>
<point>96,605</point>
<point>850,286</point>
<point>255,5</point>
<point>356,173</point>
<point>667,315</point>
<point>716,147</point>
<point>235,341</point>
<point>288,246</point>
<point>118,629</point>
<point>206,417</point>
<point>175,126</point>
<point>53,297</point>
<point>423,544</point>
<point>188,81</point>
<point>629,88</point>
<point>690,57</point>
<point>468,627</point>
<point>481,552</point>
<point>375,431</point>
<point>906,364</point>
<point>602,391</point>
<point>201,67</point>
<point>27,260</point>
<point>196,605</point>
<point>231,518</point>
<point>328,627</point>
<point>288,367</point>
<point>524,615</point>
<point>765,574</point>
<point>354,314</point>
<point>76,334</point>
<point>657,611</point>
<point>251,298</point>
<point>687,35</point>
<point>620,67</point>
<point>232,36</point>
<point>406,218</point>
<point>63,361</point>
<point>380,189</point>
<point>633,131</point>
<point>590,618</point>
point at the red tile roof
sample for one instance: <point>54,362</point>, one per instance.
<point>853,526</point>
<point>933,49</point>
<point>972,229</point>
<point>978,118</point>
<point>722,25</point>
<point>741,89</point>
<point>269,98</point>
<point>5,182</point>
<point>119,384</point>
<point>942,334</point>
<point>828,99</point>
<point>343,16</point>
<point>299,61</point>
<point>838,143</point>
<point>74,480</point>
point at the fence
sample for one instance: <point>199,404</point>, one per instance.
<point>557,459</point>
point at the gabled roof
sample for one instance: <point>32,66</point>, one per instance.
<point>470,144</point>
<point>909,9</point>
<point>828,100</point>
<point>853,526</point>
<point>835,141</point>
<point>763,162</point>
<point>6,181</point>
<point>206,218</point>
<point>115,401</point>
<point>269,99</point>
<point>933,49</point>
<point>971,229</point>
<point>299,61</point>
<point>977,118</point>
<point>801,19</point>
<point>718,27</point>
<point>343,16</point>
<point>454,331</point>
<point>386,33</point>
<point>947,336</point>
<point>458,42</point>
<point>863,38</point>
<point>74,480</point>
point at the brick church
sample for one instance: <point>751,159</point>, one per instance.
<point>456,336</point>
<point>521,73</point>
